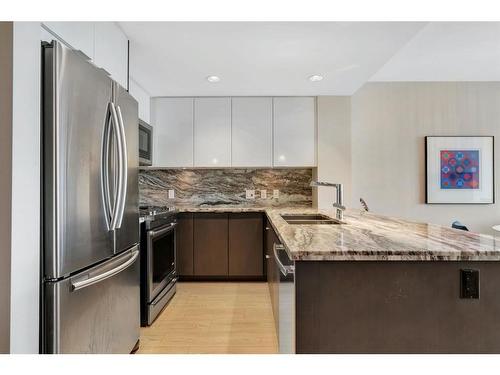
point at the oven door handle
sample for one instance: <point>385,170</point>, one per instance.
<point>153,233</point>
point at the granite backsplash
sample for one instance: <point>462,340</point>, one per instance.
<point>212,187</point>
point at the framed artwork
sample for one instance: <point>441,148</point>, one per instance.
<point>459,170</point>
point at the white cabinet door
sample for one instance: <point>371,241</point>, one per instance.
<point>172,120</point>
<point>252,132</point>
<point>111,51</point>
<point>212,132</point>
<point>143,99</point>
<point>294,132</point>
<point>78,35</point>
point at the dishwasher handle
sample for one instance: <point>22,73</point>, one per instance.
<point>285,270</point>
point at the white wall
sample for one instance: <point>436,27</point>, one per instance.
<point>389,123</point>
<point>25,261</point>
<point>333,148</point>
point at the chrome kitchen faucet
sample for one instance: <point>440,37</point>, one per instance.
<point>339,197</point>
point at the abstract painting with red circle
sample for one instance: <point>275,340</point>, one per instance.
<point>460,169</point>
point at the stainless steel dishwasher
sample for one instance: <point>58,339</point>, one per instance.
<point>286,298</point>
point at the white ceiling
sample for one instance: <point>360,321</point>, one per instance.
<point>447,51</point>
<point>276,58</point>
<point>261,58</point>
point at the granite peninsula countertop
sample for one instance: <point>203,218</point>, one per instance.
<point>370,237</point>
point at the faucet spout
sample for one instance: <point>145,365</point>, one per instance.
<point>339,197</point>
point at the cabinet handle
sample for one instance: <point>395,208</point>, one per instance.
<point>267,228</point>
<point>267,256</point>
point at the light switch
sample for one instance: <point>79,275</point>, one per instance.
<point>263,194</point>
<point>276,193</point>
<point>171,194</point>
<point>249,194</point>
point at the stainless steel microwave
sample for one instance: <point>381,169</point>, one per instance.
<point>145,143</point>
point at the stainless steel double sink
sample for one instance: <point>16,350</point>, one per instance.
<point>307,219</point>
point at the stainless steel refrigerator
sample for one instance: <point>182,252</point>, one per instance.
<point>90,286</point>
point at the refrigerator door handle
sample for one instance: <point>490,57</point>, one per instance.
<point>77,285</point>
<point>122,195</point>
<point>110,128</point>
<point>116,221</point>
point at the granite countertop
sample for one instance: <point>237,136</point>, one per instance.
<point>370,237</point>
<point>234,209</point>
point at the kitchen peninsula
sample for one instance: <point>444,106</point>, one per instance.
<point>377,284</point>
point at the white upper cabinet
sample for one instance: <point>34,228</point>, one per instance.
<point>103,42</point>
<point>252,132</point>
<point>172,120</point>
<point>212,132</point>
<point>143,99</point>
<point>233,132</point>
<point>294,132</point>
<point>111,51</point>
<point>78,35</point>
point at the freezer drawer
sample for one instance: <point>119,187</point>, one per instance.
<point>95,311</point>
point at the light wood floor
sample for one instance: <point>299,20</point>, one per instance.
<point>216,317</point>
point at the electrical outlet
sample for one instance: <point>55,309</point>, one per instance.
<point>249,194</point>
<point>276,193</point>
<point>171,194</point>
<point>469,283</point>
<point>263,194</point>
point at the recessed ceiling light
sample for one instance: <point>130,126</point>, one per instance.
<point>213,79</point>
<point>315,78</point>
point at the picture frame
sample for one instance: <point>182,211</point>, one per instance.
<point>459,170</point>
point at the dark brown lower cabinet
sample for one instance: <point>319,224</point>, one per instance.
<point>245,244</point>
<point>395,307</point>
<point>227,246</point>
<point>210,244</point>
<point>184,241</point>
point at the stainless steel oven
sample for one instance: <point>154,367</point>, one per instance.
<point>158,264</point>
<point>161,258</point>
<point>145,143</point>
